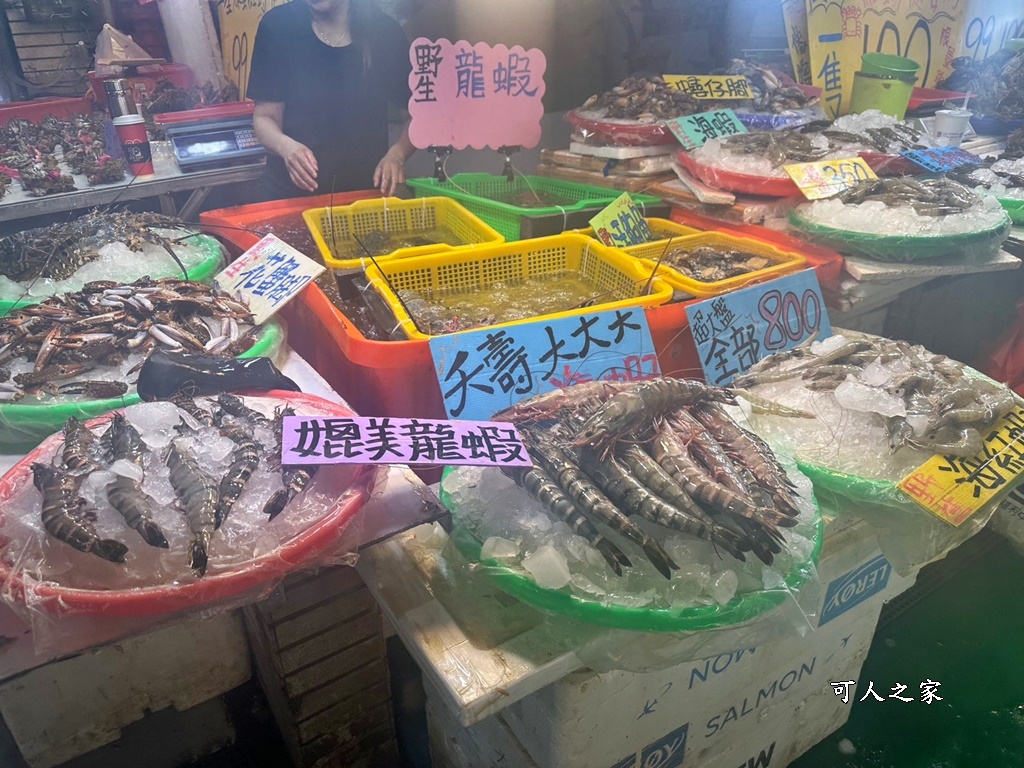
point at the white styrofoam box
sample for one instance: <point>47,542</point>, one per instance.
<point>69,707</point>
<point>682,716</point>
<point>739,732</point>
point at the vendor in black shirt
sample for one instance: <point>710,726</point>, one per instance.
<point>323,72</point>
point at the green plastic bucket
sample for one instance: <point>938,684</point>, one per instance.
<point>1013,207</point>
<point>26,425</point>
<point>563,603</point>
<point>889,95</point>
<point>203,272</point>
<point>888,65</point>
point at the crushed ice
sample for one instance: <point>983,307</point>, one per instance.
<point>518,533</point>
<point>244,536</point>
<point>116,261</point>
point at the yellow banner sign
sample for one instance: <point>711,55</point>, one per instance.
<point>954,489</point>
<point>239,20</point>
<point>931,33</point>
<point>711,86</point>
<point>828,177</point>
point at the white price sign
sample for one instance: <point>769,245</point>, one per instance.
<point>268,275</point>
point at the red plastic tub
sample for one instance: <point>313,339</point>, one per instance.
<point>216,112</point>
<point>37,110</point>
<point>738,182</point>
<point>149,601</point>
<point>241,227</point>
<point>827,264</point>
<point>144,84</point>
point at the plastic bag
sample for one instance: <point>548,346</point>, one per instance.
<point>1006,362</point>
<point>845,448</point>
<point>46,580</point>
<point>114,46</point>
<point>768,601</point>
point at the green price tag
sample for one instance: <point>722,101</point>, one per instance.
<point>621,224</point>
<point>694,130</point>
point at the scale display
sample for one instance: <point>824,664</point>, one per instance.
<point>204,144</point>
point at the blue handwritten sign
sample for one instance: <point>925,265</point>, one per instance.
<point>483,371</point>
<point>941,159</point>
<point>737,329</point>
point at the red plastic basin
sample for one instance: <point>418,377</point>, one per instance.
<point>148,601</point>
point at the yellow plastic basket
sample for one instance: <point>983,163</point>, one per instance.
<point>338,230</point>
<point>617,279</point>
<point>785,262</point>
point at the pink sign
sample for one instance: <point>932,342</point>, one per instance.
<point>475,95</point>
<point>385,440</point>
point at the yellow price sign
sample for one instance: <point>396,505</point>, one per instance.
<point>825,178</point>
<point>711,86</point>
<point>954,488</point>
<point>621,224</point>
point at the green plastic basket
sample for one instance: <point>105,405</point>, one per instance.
<point>203,272</point>
<point>562,602</point>
<point>23,427</point>
<point>1015,208</point>
<point>485,196</point>
<point>903,247</point>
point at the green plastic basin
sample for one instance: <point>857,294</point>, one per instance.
<point>563,603</point>
<point>903,247</point>
<point>24,426</point>
<point>203,272</point>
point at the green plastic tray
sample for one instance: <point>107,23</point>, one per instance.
<point>902,247</point>
<point>203,272</point>
<point>23,427</point>
<point>1013,207</point>
<point>564,603</point>
<point>481,194</point>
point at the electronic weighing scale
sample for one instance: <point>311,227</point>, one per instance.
<point>212,137</point>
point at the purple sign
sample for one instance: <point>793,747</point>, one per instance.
<point>386,440</point>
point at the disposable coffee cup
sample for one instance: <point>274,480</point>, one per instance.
<point>950,126</point>
<point>131,131</point>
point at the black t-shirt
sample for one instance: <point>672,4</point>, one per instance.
<point>331,104</point>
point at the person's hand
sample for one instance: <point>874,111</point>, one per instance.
<point>389,174</point>
<point>301,164</point>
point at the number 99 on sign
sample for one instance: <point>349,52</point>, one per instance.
<point>790,317</point>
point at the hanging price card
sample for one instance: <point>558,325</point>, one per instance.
<point>386,440</point>
<point>268,275</point>
<point>828,177</point>
<point>482,372</point>
<point>737,329</point>
<point>621,224</point>
<point>711,86</point>
<point>954,488</point>
<point>694,130</point>
<point>941,159</point>
<point>475,95</point>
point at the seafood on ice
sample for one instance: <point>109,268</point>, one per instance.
<point>881,407</point>
<point>86,343</point>
<point>906,206</point>
<point>167,490</point>
<point>627,468</point>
